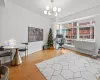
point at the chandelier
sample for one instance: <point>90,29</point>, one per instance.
<point>52,10</point>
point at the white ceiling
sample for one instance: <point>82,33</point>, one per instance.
<point>68,6</point>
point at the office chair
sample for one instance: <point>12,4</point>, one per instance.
<point>61,42</point>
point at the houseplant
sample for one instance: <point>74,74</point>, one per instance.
<point>50,39</point>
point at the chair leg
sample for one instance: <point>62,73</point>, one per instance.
<point>27,50</point>
<point>25,54</point>
<point>0,65</point>
<point>10,59</point>
<point>0,62</point>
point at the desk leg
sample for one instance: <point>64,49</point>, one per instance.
<point>17,59</point>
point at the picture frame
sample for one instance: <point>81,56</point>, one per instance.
<point>35,34</point>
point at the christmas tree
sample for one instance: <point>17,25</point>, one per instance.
<point>50,38</point>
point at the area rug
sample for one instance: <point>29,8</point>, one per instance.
<point>70,66</point>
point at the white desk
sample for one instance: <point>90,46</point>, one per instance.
<point>16,59</point>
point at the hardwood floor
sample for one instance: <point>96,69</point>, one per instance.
<point>28,71</point>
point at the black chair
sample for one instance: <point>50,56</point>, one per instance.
<point>5,53</point>
<point>25,49</point>
<point>61,42</point>
<point>4,70</point>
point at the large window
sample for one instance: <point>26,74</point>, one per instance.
<point>78,30</point>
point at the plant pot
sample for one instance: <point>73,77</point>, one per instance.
<point>51,48</point>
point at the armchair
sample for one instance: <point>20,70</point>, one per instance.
<point>4,71</point>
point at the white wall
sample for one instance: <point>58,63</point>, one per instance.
<point>88,12</point>
<point>97,32</point>
<point>14,22</point>
<point>2,3</point>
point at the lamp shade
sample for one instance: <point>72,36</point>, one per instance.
<point>45,12</point>
<point>49,13</point>
<point>56,13</point>
<point>54,9</point>
<point>59,9</point>
<point>47,7</point>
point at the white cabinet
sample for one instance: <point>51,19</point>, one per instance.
<point>85,45</point>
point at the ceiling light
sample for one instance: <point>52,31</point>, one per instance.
<point>49,13</point>
<point>52,10</point>
<point>59,9</point>
<point>47,7</point>
<point>56,13</point>
<point>45,12</point>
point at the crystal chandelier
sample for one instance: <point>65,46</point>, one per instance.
<point>52,10</point>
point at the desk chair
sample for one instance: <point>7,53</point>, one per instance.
<point>61,42</point>
<point>5,53</point>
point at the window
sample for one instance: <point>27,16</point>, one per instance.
<point>78,30</point>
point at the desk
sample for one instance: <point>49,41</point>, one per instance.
<point>16,59</point>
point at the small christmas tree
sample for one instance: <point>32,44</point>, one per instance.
<point>50,38</point>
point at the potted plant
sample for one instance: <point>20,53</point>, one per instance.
<point>50,39</point>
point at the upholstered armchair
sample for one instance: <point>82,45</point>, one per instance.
<point>4,71</point>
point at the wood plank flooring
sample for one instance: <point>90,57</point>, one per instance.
<point>28,71</point>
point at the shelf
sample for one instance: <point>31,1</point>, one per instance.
<point>85,40</point>
<point>81,27</point>
<point>85,26</point>
<point>71,28</point>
